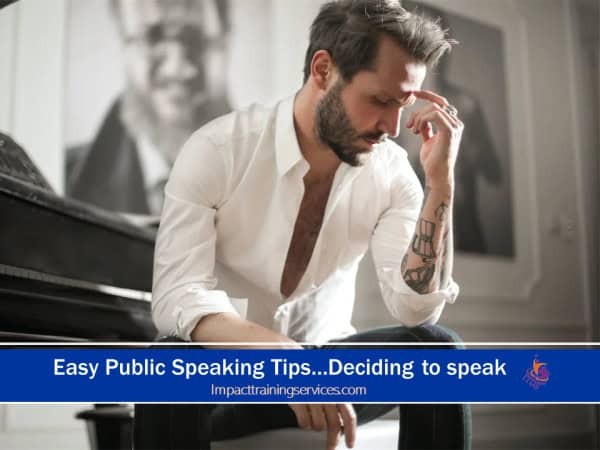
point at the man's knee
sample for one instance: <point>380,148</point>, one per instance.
<point>402,335</point>
<point>437,333</point>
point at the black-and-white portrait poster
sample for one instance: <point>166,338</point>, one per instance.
<point>142,75</point>
<point>170,65</point>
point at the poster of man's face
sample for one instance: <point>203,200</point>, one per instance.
<point>174,63</point>
<point>173,71</point>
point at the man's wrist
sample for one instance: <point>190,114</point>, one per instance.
<point>444,186</point>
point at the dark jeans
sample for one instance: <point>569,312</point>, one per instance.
<point>193,426</point>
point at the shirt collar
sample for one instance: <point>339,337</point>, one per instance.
<point>154,167</point>
<point>287,149</point>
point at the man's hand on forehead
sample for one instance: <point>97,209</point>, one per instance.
<point>439,147</point>
<point>437,110</point>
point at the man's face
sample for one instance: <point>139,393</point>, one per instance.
<point>175,55</point>
<point>353,117</point>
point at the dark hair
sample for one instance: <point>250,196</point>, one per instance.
<point>350,31</point>
<point>221,5</point>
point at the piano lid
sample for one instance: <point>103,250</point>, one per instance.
<point>15,163</point>
<point>4,3</point>
<point>44,233</point>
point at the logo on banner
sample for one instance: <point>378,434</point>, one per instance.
<point>537,375</point>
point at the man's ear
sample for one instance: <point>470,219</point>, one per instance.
<point>321,69</point>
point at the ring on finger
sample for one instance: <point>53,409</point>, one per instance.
<point>451,109</point>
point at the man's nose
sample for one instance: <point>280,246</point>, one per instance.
<point>176,63</point>
<point>389,121</point>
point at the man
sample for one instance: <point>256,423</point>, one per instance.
<point>175,62</point>
<point>283,202</point>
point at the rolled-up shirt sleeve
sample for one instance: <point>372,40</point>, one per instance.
<point>184,260</point>
<point>389,244</point>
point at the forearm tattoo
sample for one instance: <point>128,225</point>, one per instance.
<point>441,212</point>
<point>422,243</point>
<point>419,278</point>
<point>443,255</point>
<point>421,275</point>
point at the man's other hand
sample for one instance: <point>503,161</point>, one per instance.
<point>334,418</point>
<point>440,149</point>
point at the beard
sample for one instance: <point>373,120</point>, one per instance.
<point>334,128</point>
<point>141,119</point>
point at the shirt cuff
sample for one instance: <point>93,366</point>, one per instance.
<point>196,303</point>
<point>393,283</point>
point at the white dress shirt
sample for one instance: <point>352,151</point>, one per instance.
<point>231,204</point>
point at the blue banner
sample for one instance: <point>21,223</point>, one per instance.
<point>285,376</point>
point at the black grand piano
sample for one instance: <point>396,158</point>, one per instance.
<point>71,272</point>
<point>68,271</point>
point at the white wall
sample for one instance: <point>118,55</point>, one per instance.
<point>7,33</point>
<point>34,88</point>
